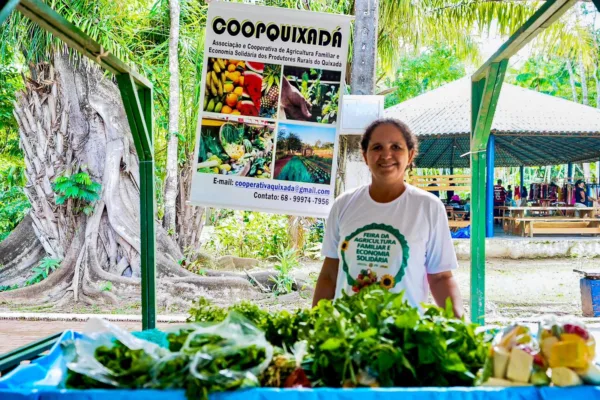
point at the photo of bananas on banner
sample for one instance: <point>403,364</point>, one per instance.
<point>238,87</point>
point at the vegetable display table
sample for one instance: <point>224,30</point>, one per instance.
<point>40,379</point>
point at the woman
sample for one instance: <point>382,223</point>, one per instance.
<point>581,197</point>
<point>389,233</point>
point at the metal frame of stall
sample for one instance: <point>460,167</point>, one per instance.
<point>485,90</point>
<point>136,92</point>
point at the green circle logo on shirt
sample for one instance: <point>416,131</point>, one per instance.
<point>371,249</point>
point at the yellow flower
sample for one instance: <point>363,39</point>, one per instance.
<point>344,245</point>
<point>387,282</point>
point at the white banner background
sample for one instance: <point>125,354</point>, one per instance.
<point>223,186</point>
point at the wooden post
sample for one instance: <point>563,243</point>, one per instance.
<point>522,173</point>
<point>570,172</point>
<point>364,56</point>
<point>362,77</point>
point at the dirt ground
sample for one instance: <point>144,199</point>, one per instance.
<point>514,289</point>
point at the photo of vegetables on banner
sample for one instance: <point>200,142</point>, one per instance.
<point>237,87</point>
<point>316,91</point>
<point>233,148</point>
<point>271,102</point>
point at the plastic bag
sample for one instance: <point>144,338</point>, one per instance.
<point>514,359</point>
<point>298,377</point>
<point>569,350</point>
<point>201,359</point>
<point>231,340</point>
<point>99,338</point>
<point>462,233</point>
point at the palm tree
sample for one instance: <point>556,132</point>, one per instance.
<point>172,153</point>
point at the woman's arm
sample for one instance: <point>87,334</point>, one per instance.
<point>327,280</point>
<point>444,286</point>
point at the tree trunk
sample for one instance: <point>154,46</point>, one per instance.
<point>583,78</point>
<point>19,253</point>
<point>172,147</point>
<point>189,217</point>
<point>572,80</point>
<point>71,118</point>
<point>597,85</point>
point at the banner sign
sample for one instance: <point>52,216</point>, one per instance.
<point>271,108</point>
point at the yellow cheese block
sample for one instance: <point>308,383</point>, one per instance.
<point>562,376</point>
<point>501,358</point>
<point>519,366</point>
<point>495,382</point>
<point>546,345</point>
<point>570,354</point>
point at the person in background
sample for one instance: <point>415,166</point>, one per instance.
<point>523,201</point>
<point>509,194</point>
<point>581,197</point>
<point>436,193</point>
<point>449,194</point>
<point>455,200</point>
<point>499,199</point>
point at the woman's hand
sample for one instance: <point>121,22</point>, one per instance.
<point>443,286</point>
<point>327,280</point>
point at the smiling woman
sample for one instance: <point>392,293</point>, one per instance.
<point>389,233</point>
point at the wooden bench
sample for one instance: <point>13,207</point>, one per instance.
<point>456,224</point>
<point>556,226</point>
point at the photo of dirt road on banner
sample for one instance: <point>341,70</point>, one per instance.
<point>236,148</point>
<point>304,153</point>
<point>248,88</point>
<point>309,94</point>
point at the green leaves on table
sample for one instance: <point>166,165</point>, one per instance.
<point>374,338</point>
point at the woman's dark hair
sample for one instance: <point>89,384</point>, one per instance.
<point>579,182</point>
<point>410,138</point>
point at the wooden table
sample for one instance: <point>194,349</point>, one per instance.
<point>549,220</point>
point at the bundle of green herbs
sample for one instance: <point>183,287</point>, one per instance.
<point>374,338</point>
<point>226,356</point>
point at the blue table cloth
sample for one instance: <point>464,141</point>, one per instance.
<point>40,380</point>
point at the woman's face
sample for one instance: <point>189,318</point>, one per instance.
<point>388,155</point>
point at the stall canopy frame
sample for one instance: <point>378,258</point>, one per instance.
<point>486,84</point>
<point>136,92</point>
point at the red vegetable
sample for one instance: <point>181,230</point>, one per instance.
<point>297,379</point>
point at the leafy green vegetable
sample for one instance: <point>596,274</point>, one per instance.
<point>200,360</point>
<point>374,334</point>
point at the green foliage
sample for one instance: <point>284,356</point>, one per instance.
<point>42,270</point>
<point>261,235</point>
<point>106,286</point>
<point>426,71</point>
<point>79,187</point>
<point>14,205</point>
<point>10,84</point>
<point>374,332</point>
<point>249,234</point>
<point>550,75</point>
<point>287,260</point>
<point>5,288</point>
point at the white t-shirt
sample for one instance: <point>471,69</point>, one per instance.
<point>393,244</point>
